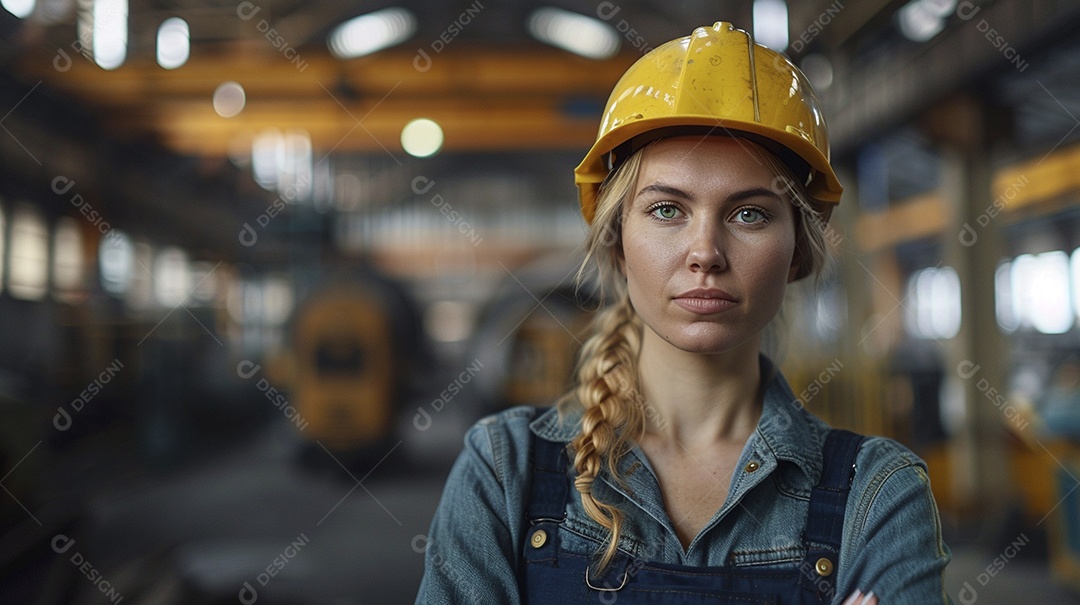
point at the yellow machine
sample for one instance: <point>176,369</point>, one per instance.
<point>344,371</point>
<point>543,356</point>
<point>529,336</point>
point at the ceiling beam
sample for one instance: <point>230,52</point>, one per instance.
<point>876,96</point>
<point>485,98</point>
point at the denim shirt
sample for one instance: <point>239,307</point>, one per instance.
<point>891,544</point>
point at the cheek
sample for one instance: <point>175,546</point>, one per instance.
<point>768,261</point>
<point>645,261</point>
<point>648,244</point>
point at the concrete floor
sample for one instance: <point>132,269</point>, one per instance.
<point>1021,581</point>
<point>294,532</point>
<point>216,531</point>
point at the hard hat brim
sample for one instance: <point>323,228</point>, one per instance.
<point>823,186</point>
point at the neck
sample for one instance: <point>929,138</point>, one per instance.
<point>699,400</point>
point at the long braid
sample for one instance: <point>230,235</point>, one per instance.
<point>612,416</point>
<point>607,376</point>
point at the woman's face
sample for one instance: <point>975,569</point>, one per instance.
<point>707,243</point>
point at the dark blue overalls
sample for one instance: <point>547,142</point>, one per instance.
<point>553,575</point>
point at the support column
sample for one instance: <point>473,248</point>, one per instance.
<point>975,360</point>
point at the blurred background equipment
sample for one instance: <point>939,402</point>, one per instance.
<point>529,334</point>
<point>356,355</point>
<point>262,264</point>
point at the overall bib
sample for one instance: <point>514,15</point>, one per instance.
<point>553,575</point>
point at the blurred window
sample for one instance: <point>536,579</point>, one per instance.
<point>28,275</point>
<point>67,260</point>
<point>261,306</point>
<point>204,283</point>
<point>933,303</point>
<point>141,293</point>
<point>1040,292</point>
<point>116,262</point>
<point>171,277</point>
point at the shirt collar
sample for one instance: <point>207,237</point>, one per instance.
<point>555,426</point>
<point>786,431</point>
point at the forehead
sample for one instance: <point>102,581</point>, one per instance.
<point>727,159</point>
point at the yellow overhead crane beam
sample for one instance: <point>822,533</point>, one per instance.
<point>1037,187</point>
<point>485,98</point>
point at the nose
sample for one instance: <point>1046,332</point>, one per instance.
<point>706,251</point>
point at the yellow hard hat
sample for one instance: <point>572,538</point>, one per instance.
<point>716,81</point>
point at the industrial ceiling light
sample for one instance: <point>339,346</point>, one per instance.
<point>229,99</point>
<point>771,24</point>
<point>110,33</point>
<point>372,32</point>
<point>579,34</point>
<point>19,8</point>
<point>921,20</point>
<point>173,43</point>
<point>422,137</point>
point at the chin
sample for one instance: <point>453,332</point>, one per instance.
<point>710,342</point>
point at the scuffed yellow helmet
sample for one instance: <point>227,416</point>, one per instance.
<point>718,81</point>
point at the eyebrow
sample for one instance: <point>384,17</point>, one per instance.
<point>665,189</point>
<point>734,197</point>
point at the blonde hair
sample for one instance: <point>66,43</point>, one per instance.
<point>607,388</point>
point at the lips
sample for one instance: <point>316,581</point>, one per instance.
<point>705,301</point>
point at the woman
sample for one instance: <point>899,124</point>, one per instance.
<point>682,469</point>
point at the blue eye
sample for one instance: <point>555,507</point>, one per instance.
<point>750,216</point>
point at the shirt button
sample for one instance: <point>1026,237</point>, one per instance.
<point>752,466</point>
<point>539,538</point>
<point>823,567</point>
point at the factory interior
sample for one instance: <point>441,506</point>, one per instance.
<point>264,263</point>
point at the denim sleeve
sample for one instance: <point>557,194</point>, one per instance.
<point>472,546</point>
<point>892,537</point>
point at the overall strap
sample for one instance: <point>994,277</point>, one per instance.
<point>545,565</point>
<point>547,492</point>
<point>545,510</point>
<point>825,518</point>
